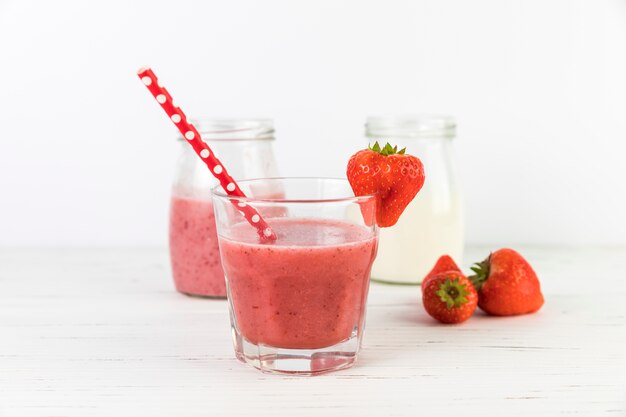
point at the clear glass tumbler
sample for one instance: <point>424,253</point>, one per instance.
<point>297,305</point>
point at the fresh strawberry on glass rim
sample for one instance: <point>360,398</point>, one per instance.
<point>392,175</point>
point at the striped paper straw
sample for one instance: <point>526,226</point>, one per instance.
<point>189,132</point>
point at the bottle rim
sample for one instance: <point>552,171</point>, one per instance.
<point>411,126</point>
<point>233,129</point>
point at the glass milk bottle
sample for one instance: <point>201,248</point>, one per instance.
<point>245,148</point>
<point>432,224</point>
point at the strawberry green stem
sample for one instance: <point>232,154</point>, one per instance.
<point>481,273</point>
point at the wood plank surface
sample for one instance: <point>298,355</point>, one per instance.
<point>101,332</point>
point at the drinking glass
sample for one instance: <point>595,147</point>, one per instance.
<point>297,305</point>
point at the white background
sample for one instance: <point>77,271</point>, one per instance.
<point>538,89</point>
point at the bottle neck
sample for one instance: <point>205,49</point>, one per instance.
<point>231,130</point>
<point>413,127</point>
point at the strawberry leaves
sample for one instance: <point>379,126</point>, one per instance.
<point>387,149</point>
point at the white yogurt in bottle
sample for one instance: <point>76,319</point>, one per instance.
<point>432,225</point>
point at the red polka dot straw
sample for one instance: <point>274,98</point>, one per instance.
<point>205,153</point>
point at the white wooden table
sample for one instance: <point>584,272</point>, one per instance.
<point>101,332</point>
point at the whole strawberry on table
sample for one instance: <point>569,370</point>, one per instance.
<point>449,297</point>
<point>447,294</point>
<point>505,285</point>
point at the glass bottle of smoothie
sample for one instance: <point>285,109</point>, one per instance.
<point>245,147</point>
<point>432,224</point>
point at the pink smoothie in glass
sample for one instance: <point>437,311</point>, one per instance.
<point>194,250</point>
<point>305,291</point>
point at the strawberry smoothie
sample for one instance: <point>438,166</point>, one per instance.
<point>305,291</point>
<point>194,250</point>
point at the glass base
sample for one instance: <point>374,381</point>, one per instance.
<point>300,362</point>
<point>210,297</point>
<point>391,282</point>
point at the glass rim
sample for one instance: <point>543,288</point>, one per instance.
<point>217,191</point>
<point>233,129</point>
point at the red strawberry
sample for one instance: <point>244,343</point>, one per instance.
<point>394,177</point>
<point>449,297</point>
<point>444,264</point>
<point>506,284</point>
